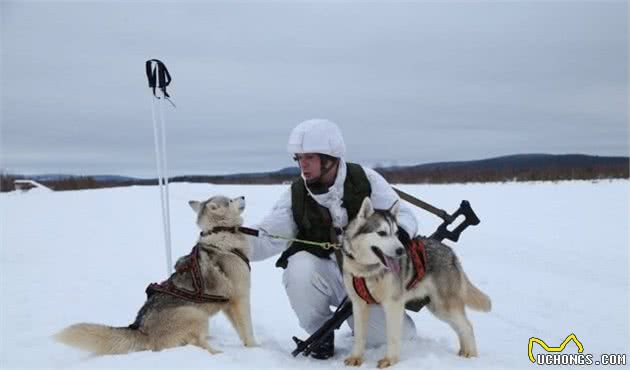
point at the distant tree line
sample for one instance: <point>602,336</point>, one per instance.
<point>551,173</point>
<point>7,182</point>
<point>425,174</point>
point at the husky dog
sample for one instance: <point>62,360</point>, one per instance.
<point>214,277</point>
<point>373,252</point>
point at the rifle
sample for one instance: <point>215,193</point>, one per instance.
<point>442,232</point>
<point>344,310</point>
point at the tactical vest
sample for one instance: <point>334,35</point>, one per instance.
<point>314,221</point>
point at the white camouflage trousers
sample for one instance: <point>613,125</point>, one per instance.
<point>314,284</point>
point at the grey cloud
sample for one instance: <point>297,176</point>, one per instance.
<point>409,82</point>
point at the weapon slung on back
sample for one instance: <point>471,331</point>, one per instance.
<point>470,218</point>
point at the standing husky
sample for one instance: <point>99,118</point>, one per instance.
<point>373,252</point>
<point>214,277</point>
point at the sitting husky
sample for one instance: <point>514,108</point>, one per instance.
<point>375,261</point>
<point>214,277</point>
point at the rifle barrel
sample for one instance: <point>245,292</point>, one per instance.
<point>424,205</point>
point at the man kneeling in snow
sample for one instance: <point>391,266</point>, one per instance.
<point>316,208</point>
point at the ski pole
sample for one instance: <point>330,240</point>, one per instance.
<point>159,78</point>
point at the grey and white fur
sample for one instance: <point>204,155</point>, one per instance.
<point>167,321</point>
<point>372,251</point>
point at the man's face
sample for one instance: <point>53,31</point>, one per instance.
<point>310,164</point>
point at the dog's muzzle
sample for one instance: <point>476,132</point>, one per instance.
<point>391,263</point>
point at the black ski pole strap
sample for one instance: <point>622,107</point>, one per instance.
<point>158,76</point>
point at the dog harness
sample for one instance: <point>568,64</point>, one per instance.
<point>190,266</point>
<point>417,253</point>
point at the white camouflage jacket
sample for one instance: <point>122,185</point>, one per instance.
<point>280,220</point>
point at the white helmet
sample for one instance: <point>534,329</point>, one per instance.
<point>317,136</point>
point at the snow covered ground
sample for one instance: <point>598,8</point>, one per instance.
<point>552,256</point>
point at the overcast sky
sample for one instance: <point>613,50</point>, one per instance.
<point>408,82</point>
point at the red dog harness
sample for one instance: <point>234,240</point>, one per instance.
<point>417,252</point>
<point>191,266</point>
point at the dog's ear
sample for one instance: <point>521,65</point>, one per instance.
<point>195,205</point>
<point>366,209</point>
<point>394,209</point>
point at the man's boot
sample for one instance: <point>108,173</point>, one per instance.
<point>326,349</point>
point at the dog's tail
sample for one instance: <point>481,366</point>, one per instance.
<point>475,298</point>
<point>103,340</point>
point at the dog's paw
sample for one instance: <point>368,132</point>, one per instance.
<point>466,354</point>
<point>213,351</point>
<point>386,362</point>
<point>353,361</point>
